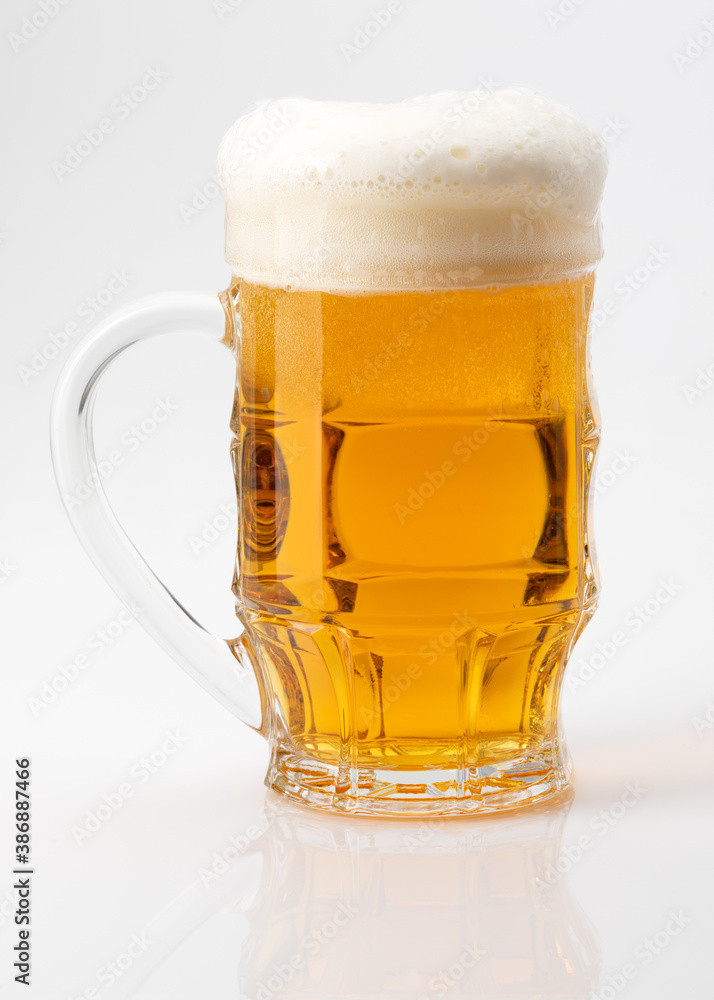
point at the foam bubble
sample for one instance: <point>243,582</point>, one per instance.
<point>456,189</point>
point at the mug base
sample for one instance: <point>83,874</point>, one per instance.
<point>529,777</point>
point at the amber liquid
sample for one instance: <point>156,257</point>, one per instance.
<point>412,475</point>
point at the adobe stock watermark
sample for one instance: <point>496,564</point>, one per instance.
<point>67,674</point>
<point>390,693</point>
<point>30,26</point>
<point>418,323</point>
<point>702,381</point>
<point>627,286</point>
<point>239,844</point>
<point>439,645</point>
<point>522,222</point>
<point>119,110</point>
<point>600,824</point>
<point>429,829</point>
<point>374,368</point>
<point>580,673</point>
<point>623,461</point>
<point>139,774</point>
<point>257,138</point>
<point>704,723</point>
<point>394,685</point>
<point>456,115</point>
<point>87,311</point>
<point>7,569</point>
<point>423,835</point>
<point>694,46</point>
<point>644,954</point>
<point>312,262</point>
<point>131,440</point>
<point>212,528</point>
<point>435,479</point>
<point>282,972</point>
<point>601,483</point>
<point>222,8</point>
<point>109,973</point>
<point>556,16</point>
<point>364,34</point>
<point>448,979</point>
<point>236,847</point>
<point>200,198</point>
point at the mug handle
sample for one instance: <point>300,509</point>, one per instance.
<point>227,669</point>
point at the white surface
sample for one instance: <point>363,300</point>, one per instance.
<point>122,209</point>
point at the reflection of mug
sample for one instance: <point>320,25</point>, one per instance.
<point>304,906</point>
<point>413,442</point>
<point>420,910</point>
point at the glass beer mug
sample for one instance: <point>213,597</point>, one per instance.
<point>414,435</point>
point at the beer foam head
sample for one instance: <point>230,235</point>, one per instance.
<point>452,190</point>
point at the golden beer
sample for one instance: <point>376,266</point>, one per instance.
<point>412,473</point>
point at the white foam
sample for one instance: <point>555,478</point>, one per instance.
<point>456,189</point>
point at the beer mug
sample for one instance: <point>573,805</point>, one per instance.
<point>413,440</point>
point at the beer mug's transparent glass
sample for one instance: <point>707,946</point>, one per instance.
<point>413,439</point>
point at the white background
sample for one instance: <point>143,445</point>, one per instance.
<point>633,718</point>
